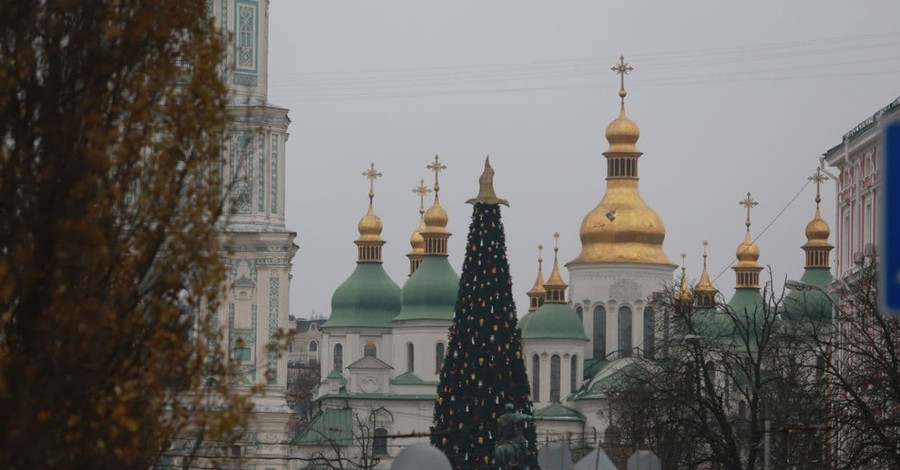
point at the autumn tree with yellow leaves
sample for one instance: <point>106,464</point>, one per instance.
<point>112,113</point>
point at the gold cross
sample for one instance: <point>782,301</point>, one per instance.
<point>705,244</point>
<point>683,259</point>
<point>818,177</point>
<point>372,174</point>
<point>436,167</point>
<point>622,69</point>
<point>421,190</point>
<point>749,203</point>
<point>555,241</point>
<point>540,255</point>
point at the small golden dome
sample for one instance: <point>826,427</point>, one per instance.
<point>370,226</point>
<point>747,252</point>
<point>622,134</point>
<point>416,241</point>
<point>538,287</point>
<point>436,218</point>
<point>684,290</point>
<point>817,230</point>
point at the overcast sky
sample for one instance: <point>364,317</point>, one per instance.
<point>730,97</point>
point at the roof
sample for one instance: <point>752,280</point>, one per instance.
<point>369,362</point>
<point>866,124</point>
<point>812,306</point>
<point>430,293</point>
<point>558,412</point>
<point>410,379</point>
<point>553,321</point>
<point>303,325</point>
<point>611,374</point>
<point>332,425</point>
<point>367,299</point>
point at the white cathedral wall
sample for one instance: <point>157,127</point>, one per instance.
<point>546,349</point>
<point>424,336</point>
<point>613,286</point>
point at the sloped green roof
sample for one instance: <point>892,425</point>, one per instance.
<point>410,379</point>
<point>600,389</point>
<point>332,425</point>
<point>367,299</point>
<point>334,374</point>
<point>812,306</point>
<point>594,365</point>
<point>430,293</point>
<point>553,321</point>
<point>558,412</point>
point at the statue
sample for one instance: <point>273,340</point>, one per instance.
<point>512,447</point>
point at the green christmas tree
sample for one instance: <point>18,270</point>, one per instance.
<point>483,370</point>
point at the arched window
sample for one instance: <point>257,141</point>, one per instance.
<point>624,331</point>
<point>573,374</point>
<point>535,378</point>
<point>554,378</point>
<point>599,331</point>
<point>438,357</point>
<point>313,346</point>
<point>379,442</point>
<point>410,358</point>
<point>338,357</point>
<point>649,333</point>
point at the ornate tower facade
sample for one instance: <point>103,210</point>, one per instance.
<point>259,247</point>
<point>622,260</point>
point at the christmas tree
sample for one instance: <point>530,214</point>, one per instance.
<point>483,369</point>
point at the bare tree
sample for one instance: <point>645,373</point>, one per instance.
<point>359,448</point>
<point>727,376</point>
<point>861,361</point>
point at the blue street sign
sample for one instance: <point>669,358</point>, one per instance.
<point>889,242</point>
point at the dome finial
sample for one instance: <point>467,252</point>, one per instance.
<point>747,268</point>
<point>749,203</point>
<point>421,190</point>
<point>622,69</point>
<point>706,292</point>
<point>555,286</point>
<point>372,174</point>
<point>415,240</point>
<point>437,166</point>
<point>486,194</point>
<point>684,291</point>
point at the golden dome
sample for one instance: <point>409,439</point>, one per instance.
<point>436,218</point>
<point>684,290</point>
<point>817,231</point>
<point>416,241</point>
<point>555,287</point>
<point>747,252</point>
<point>622,229</point>
<point>370,226</point>
<point>622,134</point>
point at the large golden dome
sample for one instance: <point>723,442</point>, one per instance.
<point>817,231</point>
<point>747,252</point>
<point>622,228</point>
<point>436,218</point>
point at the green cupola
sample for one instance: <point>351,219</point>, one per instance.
<point>555,319</point>
<point>368,298</point>
<point>430,292</point>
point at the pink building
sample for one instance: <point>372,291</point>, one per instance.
<point>856,161</point>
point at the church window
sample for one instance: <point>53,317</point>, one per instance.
<point>554,378</point>
<point>379,442</point>
<point>438,357</point>
<point>573,374</point>
<point>649,333</point>
<point>242,354</point>
<point>624,331</point>
<point>599,331</point>
<point>535,378</point>
<point>338,357</point>
<point>370,349</point>
<point>410,358</point>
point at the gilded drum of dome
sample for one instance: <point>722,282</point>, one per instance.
<point>622,229</point>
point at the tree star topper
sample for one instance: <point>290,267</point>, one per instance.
<point>486,193</point>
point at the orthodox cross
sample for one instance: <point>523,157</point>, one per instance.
<point>371,174</point>
<point>436,167</point>
<point>749,203</point>
<point>540,256</point>
<point>683,260</point>
<point>622,69</point>
<point>818,177</point>
<point>555,242</point>
<point>421,190</point>
<point>705,244</point>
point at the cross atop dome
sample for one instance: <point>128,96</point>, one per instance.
<point>622,69</point>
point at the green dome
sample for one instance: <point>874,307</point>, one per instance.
<point>367,299</point>
<point>552,321</point>
<point>430,293</point>
<point>811,304</point>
